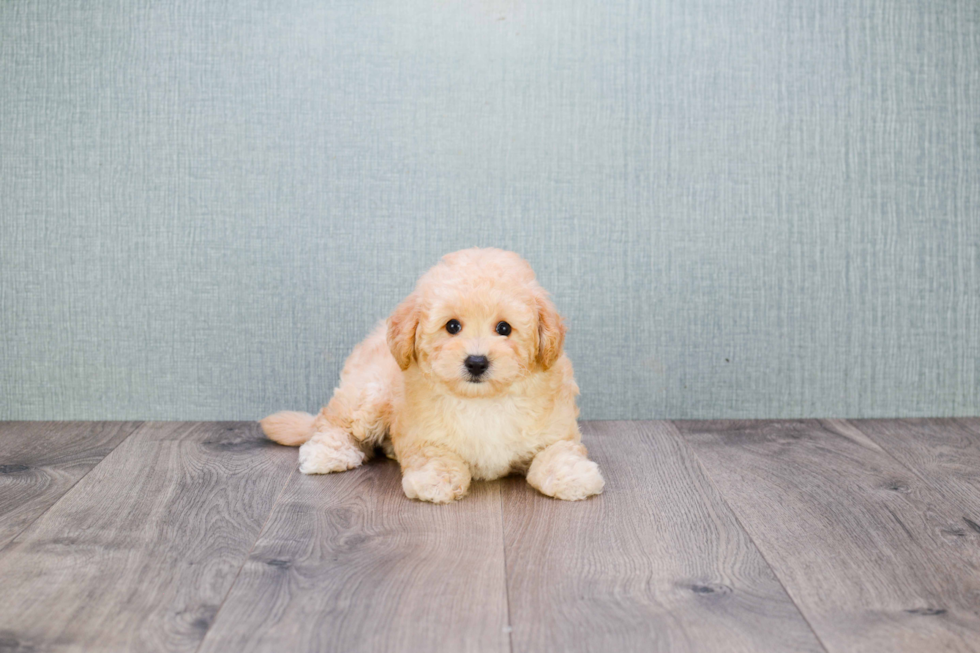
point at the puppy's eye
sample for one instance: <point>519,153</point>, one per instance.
<point>503,328</point>
<point>453,326</point>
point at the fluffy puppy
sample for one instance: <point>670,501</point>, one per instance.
<point>466,380</point>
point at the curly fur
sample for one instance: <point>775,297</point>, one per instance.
<point>405,389</point>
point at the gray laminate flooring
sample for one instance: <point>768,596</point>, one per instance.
<point>822,535</point>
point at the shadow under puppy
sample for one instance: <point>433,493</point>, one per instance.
<point>466,380</point>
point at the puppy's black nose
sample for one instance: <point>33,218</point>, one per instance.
<point>476,365</point>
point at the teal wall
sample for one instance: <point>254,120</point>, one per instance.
<point>744,208</point>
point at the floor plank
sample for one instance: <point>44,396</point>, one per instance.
<point>868,551</point>
<point>40,461</point>
<point>944,452</point>
<point>141,552</point>
<point>347,563</point>
<point>873,526</point>
<point>656,563</point>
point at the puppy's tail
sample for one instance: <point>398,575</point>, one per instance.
<point>288,427</point>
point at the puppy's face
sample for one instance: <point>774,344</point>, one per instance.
<point>477,342</point>
<point>476,323</point>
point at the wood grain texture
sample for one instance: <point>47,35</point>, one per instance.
<point>875,558</point>
<point>656,563</point>
<point>141,552</point>
<point>40,461</point>
<point>347,563</point>
<point>873,527</point>
<point>944,452</point>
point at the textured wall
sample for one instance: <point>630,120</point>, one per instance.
<point>746,208</point>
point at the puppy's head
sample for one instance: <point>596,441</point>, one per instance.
<point>477,322</point>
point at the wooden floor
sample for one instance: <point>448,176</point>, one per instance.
<point>710,536</point>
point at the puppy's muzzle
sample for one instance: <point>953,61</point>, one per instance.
<point>476,366</point>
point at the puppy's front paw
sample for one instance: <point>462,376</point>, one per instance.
<point>329,452</point>
<point>431,484</point>
<point>563,471</point>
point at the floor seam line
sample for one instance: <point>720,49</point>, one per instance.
<point>888,453</point>
<point>10,543</point>
<point>248,555</point>
<point>924,477</point>
<point>678,437</point>
<point>503,546</point>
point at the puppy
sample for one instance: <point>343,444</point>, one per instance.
<point>466,380</point>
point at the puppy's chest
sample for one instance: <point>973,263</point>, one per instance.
<point>491,437</point>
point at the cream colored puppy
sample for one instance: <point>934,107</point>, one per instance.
<point>467,380</point>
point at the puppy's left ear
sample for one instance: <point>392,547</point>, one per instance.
<point>402,325</point>
<point>551,331</point>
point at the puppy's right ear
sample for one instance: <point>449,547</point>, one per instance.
<point>402,325</point>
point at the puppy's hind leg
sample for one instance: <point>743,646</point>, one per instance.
<point>323,447</point>
<point>331,449</point>
<point>356,420</point>
<point>348,429</point>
